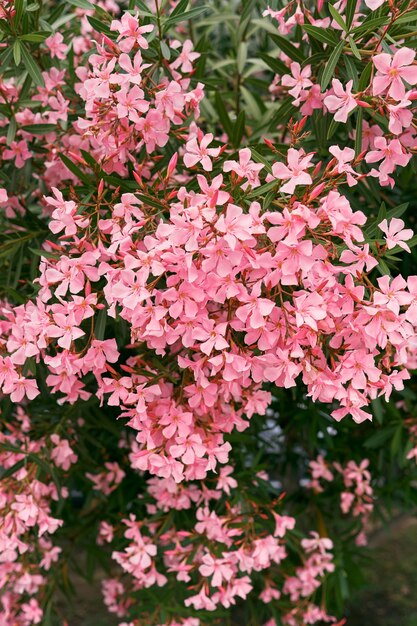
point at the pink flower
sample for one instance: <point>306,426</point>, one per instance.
<point>65,328</point>
<point>154,128</point>
<point>374,4</point>
<point>31,612</point>
<point>298,80</point>
<point>61,453</point>
<point>130,33</point>
<point>342,102</point>
<point>198,152</point>
<point>245,168</point>
<point>399,117</point>
<point>392,70</point>
<point>18,150</point>
<point>56,47</point>
<point>130,102</point>
<point>298,162</point>
<point>256,308</point>
<point>220,569</point>
<point>186,57</point>
<point>309,309</point>
<point>390,152</point>
<point>344,157</point>
<point>235,225</point>
<point>396,234</point>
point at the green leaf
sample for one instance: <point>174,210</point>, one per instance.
<point>166,52</point>
<point>100,26</point>
<point>12,470</point>
<point>100,326</point>
<point>337,17</point>
<point>180,8</point>
<point>351,70</point>
<point>331,65</point>
<point>411,16</point>
<point>75,170</point>
<point>369,25</point>
<point>17,52</point>
<point>276,65</point>
<point>31,66</point>
<point>18,7</point>
<point>242,56</point>
<point>39,129</point>
<point>11,131</point>
<point>350,12</point>
<point>358,136</point>
<point>325,35</point>
<point>332,129</point>
<point>288,48</point>
<point>260,159</point>
<point>188,15</point>
<point>365,77</point>
<point>238,129</point>
<point>82,4</point>
<point>354,48</point>
<point>223,115</point>
<point>283,114</point>
<point>35,37</point>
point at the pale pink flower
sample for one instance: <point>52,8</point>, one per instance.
<point>298,79</point>
<point>395,233</point>
<point>19,151</point>
<point>56,46</point>
<point>130,33</point>
<point>186,57</point>
<point>294,173</point>
<point>341,102</point>
<point>196,151</point>
<point>392,70</point>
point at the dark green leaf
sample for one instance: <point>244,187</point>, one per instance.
<point>337,17</point>
<point>75,169</point>
<point>180,8</point>
<point>31,66</point>
<point>276,65</point>
<point>286,46</point>
<point>166,52</point>
<point>18,7</point>
<point>325,35</point>
<point>17,52</point>
<point>350,12</point>
<point>100,26</point>
<point>365,77</point>
<point>188,15</point>
<point>223,115</point>
<point>358,136</point>
<point>331,65</point>
<point>34,37</point>
<point>39,129</point>
<point>100,326</point>
<point>238,129</point>
<point>11,130</point>
<point>82,4</point>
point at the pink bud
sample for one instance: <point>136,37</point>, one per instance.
<point>137,178</point>
<point>316,192</point>
<point>317,169</point>
<point>101,187</point>
<point>172,165</point>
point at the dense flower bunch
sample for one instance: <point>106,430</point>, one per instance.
<point>185,274</point>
